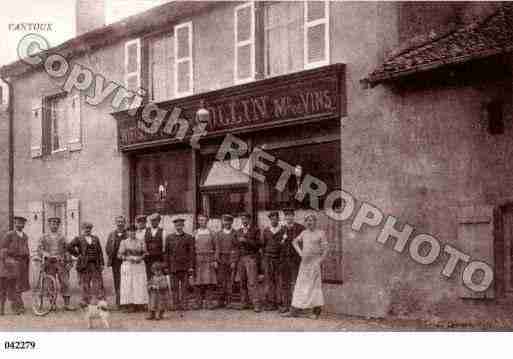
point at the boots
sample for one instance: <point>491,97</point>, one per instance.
<point>2,307</point>
<point>67,305</point>
<point>151,316</point>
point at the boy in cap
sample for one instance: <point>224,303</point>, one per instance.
<point>14,267</point>
<point>158,292</point>
<point>53,249</point>
<point>90,263</point>
<point>154,239</point>
<point>179,256</point>
<point>112,248</point>
<point>226,259</point>
<point>289,259</point>
<point>271,238</point>
<point>248,238</point>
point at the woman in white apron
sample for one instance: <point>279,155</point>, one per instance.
<point>312,247</point>
<point>133,286</point>
<point>205,272</point>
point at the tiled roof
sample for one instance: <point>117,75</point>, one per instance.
<point>488,37</point>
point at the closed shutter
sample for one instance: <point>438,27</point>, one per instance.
<point>35,221</point>
<point>245,42</point>
<point>133,65</point>
<point>74,118</point>
<point>36,129</point>
<point>72,218</point>
<point>476,239</point>
<point>316,36</point>
<point>183,59</point>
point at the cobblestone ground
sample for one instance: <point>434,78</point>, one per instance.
<point>230,320</point>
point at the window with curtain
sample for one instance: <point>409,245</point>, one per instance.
<point>283,40</point>
<point>55,123</point>
<point>245,42</point>
<point>183,59</point>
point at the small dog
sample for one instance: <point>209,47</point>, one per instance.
<point>97,311</point>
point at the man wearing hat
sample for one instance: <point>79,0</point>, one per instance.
<point>53,249</point>
<point>226,259</point>
<point>271,238</point>
<point>289,259</point>
<point>112,248</point>
<point>14,266</point>
<point>248,238</point>
<point>179,257</point>
<point>90,263</point>
<point>154,239</point>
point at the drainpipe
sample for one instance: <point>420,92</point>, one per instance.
<point>10,113</point>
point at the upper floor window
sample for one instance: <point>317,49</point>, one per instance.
<point>316,34</point>
<point>56,111</point>
<point>245,42</point>
<point>133,65</point>
<point>183,59</point>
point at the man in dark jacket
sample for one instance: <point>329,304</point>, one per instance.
<point>114,240</point>
<point>14,267</point>
<point>90,263</point>
<point>249,245</point>
<point>154,239</point>
<point>227,257</point>
<point>179,257</point>
<point>289,259</point>
<point>271,238</point>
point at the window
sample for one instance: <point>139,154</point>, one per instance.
<point>244,42</point>
<point>183,59</point>
<point>133,65</point>
<point>316,34</point>
<point>55,209</point>
<point>55,123</point>
<point>283,27</point>
<point>321,161</point>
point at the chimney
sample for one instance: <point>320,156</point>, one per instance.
<point>90,15</point>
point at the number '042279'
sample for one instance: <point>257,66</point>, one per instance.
<point>19,345</point>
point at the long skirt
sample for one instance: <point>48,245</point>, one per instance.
<point>133,289</point>
<point>205,271</point>
<point>308,288</point>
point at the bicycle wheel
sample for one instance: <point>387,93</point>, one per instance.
<point>44,295</point>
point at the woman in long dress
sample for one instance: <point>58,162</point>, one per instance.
<point>312,247</point>
<point>205,272</point>
<point>133,286</point>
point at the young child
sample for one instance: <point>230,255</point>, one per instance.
<point>158,289</point>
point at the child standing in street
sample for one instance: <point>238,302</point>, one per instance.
<point>158,289</point>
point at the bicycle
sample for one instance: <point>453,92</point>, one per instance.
<point>44,293</point>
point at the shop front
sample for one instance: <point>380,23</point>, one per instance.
<point>246,148</point>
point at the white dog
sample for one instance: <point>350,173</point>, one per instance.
<point>97,311</point>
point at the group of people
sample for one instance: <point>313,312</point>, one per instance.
<point>148,265</point>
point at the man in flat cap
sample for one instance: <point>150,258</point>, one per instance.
<point>227,256</point>
<point>271,238</point>
<point>179,257</point>
<point>154,239</point>
<point>289,259</point>
<point>14,267</point>
<point>112,248</point>
<point>90,263</point>
<point>52,249</point>
<point>248,238</point>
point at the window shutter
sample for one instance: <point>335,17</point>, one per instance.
<point>72,218</point>
<point>476,239</point>
<point>245,42</point>
<point>36,129</point>
<point>316,36</point>
<point>183,59</point>
<point>35,221</point>
<point>75,130</point>
<point>133,65</point>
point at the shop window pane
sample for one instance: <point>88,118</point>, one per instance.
<point>217,203</point>
<point>164,183</point>
<point>321,161</point>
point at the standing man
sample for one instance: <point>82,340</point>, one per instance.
<point>289,259</point>
<point>226,259</point>
<point>179,257</point>
<point>14,267</point>
<point>53,249</point>
<point>272,237</point>
<point>114,240</point>
<point>90,263</point>
<point>154,239</point>
<point>248,238</point>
